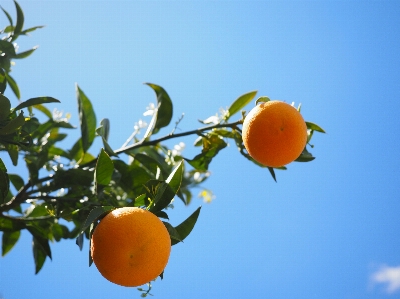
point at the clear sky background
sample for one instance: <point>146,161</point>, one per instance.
<point>327,229</point>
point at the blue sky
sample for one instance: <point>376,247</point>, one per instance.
<point>326,229</point>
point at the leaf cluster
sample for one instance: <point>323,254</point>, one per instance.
<point>67,191</point>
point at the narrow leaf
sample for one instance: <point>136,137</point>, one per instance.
<point>26,31</point>
<point>8,16</point>
<point>20,19</point>
<point>4,186</point>
<point>36,101</point>
<point>241,102</point>
<point>25,54</point>
<point>44,110</point>
<point>39,254</point>
<point>87,119</point>
<point>13,85</point>
<point>185,228</point>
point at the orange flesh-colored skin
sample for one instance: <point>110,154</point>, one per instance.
<point>274,133</point>
<point>133,251</point>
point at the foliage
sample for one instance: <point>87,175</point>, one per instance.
<point>67,190</point>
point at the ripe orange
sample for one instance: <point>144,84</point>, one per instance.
<point>130,246</point>
<point>274,133</point>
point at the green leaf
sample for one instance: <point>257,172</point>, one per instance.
<point>12,150</point>
<point>2,166</point>
<point>5,107</point>
<point>103,131</point>
<point>41,250</point>
<point>305,156</point>
<point>185,228</point>
<point>25,54</point>
<point>9,240</point>
<point>87,119</point>
<point>164,108</point>
<point>104,169</point>
<point>3,86</point>
<point>272,172</point>
<point>20,19</point>
<point>314,127</point>
<point>241,102</point>
<point>212,144</point>
<point>95,215</point>
<point>160,193</point>
<point>7,48</point>
<point>173,233</point>
<point>26,31</point>
<point>16,180</point>
<point>175,178</point>
<point>262,100</point>
<point>4,186</point>
<point>13,85</point>
<point>150,164</point>
<point>44,110</point>
<point>13,125</point>
<point>8,16</point>
<point>36,101</point>
<point>10,225</point>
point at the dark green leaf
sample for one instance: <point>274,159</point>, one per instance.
<point>185,228</point>
<point>103,131</point>
<point>87,119</point>
<point>13,125</point>
<point>150,164</point>
<point>314,127</point>
<point>7,48</point>
<point>20,19</point>
<point>305,156</point>
<point>8,16</point>
<point>9,240</point>
<point>13,85</point>
<point>160,193</point>
<point>13,153</point>
<point>2,166</point>
<point>79,241</point>
<point>4,186</point>
<point>5,107</point>
<point>17,181</point>
<point>272,172</point>
<point>211,146</point>
<point>25,53</point>
<point>36,101</point>
<point>164,108</point>
<point>240,103</point>
<point>3,86</point>
<point>10,225</point>
<point>175,178</point>
<point>41,250</point>
<point>95,215</point>
<point>104,169</point>
<point>173,233</point>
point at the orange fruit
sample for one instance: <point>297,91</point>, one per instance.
<point>130,246</point>
<point>274,133</point>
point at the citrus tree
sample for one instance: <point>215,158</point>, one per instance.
<point>65,192</point>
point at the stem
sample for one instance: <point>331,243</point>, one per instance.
<point>171,136</point>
